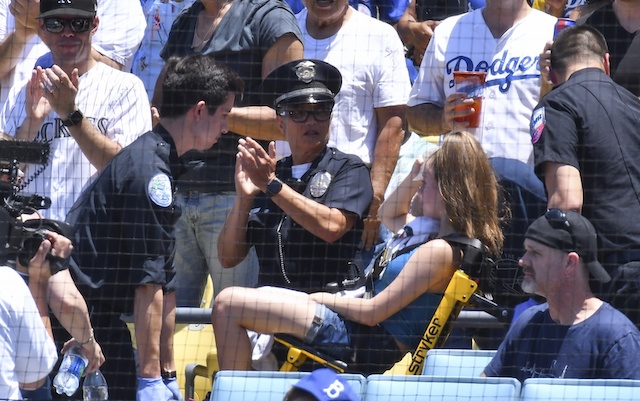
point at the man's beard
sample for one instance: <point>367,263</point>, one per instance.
<point>528,285</point>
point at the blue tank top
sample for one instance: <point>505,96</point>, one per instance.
<point>408,324</point>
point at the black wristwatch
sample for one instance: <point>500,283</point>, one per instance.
<point>274,187</point>
<point>168,374</point>
<point>74,119</point>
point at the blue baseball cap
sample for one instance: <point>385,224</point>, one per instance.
<point>326,385</point>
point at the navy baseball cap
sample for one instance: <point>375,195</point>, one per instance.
<point>326,385</point>
<point>569,231</point>
<point>301,82</point>
<point>76,8</point>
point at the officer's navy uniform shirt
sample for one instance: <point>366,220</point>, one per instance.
<point>593,124</point>
<point>124,223</point>
<point>289,255</point>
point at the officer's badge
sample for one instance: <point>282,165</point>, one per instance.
<point>160,191</point>
<point>536,126</point>
<point>319,184</point>
<point>306,71</point>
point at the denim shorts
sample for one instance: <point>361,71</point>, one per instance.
<point>328,332</point>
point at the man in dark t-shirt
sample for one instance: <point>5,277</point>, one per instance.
<point>575,334</point>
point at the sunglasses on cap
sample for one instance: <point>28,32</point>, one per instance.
<point>77,25</point>
<point>558,221</point>
<point>300,116</point>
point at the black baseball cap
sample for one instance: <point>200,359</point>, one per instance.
<point>569,231</point>
<point>305,81</point>
<point>76,8</point>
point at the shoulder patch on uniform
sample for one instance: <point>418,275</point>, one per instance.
<point>160,191</point>
<point>537,124</point>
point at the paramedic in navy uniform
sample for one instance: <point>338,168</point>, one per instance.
<point>304,213</point>
<point>124,237</point>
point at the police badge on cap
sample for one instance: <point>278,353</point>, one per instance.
<point>301,82</point>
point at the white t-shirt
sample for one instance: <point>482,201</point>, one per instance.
<point>122,25</point>
<point>465,43</point>
<point>147,62</point>
<point>370,57</point>
<point>27,352</point>
<point>116,104</point>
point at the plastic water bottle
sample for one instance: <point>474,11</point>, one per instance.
<point>95,387</point>
<point>71,369</point>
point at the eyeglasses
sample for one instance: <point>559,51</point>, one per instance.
<point>300,116</point>
<point>558,221</point>
<point>77,25</point>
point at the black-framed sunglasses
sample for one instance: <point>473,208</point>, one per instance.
<point>77,25</point>
<point>300,116</point>
<point>558,221</point>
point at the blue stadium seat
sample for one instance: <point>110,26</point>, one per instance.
<point>456,362</point>
<point>440,388</point>
<point>266,386</point>
<point>539,389</point>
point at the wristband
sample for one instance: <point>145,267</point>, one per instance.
<point>88,339</point>
<point>168,374</point>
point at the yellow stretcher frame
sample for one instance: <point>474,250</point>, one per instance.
<point>461,291</point>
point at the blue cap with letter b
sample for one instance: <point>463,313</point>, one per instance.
<point>326,385</point>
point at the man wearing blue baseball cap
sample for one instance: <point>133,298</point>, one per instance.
<point>321,385</point>
<point>574,334</point>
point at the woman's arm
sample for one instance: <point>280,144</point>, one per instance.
<point>429,269</point>
<point>394,211</point>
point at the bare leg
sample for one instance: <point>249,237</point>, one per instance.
<point>237,309</point>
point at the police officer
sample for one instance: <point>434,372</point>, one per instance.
<point>303,214</point>
<point>586,141</point>
<point>124,238</point>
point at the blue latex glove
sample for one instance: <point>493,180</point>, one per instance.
<point>152,390</point>
<point>172,385</point>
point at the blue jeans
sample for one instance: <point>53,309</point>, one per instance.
<point>197,232</point>
<point>41,393</point>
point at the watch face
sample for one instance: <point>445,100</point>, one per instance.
<point>74,118</point>
<point>274,187</point>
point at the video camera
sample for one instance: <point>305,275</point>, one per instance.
<point>21,239</point>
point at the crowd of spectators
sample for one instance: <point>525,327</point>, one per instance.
<point>327,110</point>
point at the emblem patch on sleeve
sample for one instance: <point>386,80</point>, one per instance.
<point>160,191</point>
<point>537,124</point>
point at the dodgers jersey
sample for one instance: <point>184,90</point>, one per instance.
<point>465,43</point>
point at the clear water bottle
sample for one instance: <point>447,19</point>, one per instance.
<point>71,369</point>
<point>95,387</point>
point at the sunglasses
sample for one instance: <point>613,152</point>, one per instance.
<point>77,25</point>
<point>300,116</point>
<point>558,221</point>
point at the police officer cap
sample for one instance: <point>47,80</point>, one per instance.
<point>300,82</point>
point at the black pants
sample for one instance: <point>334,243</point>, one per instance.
<point>119,368</point>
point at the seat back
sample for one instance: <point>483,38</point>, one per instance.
<point>441,388</point>
<point>456,362</point>
<point>266,386</point>
<point>544,389</point>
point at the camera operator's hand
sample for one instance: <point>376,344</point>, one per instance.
<point>39,268</point>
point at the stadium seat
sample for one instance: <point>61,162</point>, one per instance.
<point>441,388</point>
<point>545,389</point>
<point>456,362</point>
<point>266,386</point>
